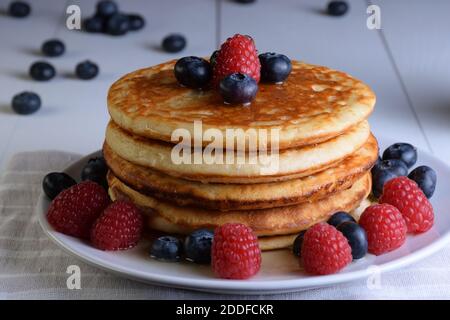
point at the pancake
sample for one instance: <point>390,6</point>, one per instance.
<point>227,197</point>
<point>313,105</point>
<point>292,163</point>
<point>264,222</point>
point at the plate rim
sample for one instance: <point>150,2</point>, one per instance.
<point>236,286</point>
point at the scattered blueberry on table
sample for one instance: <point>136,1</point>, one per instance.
<point>340,217</point>
<point>26,103</point>
<point>55,182</point>
<point>197,246</point>
<point>166,248</point>
<point>297,246</point>
<point>245,1</point>
<point>86,70</point>
<point>117,24</point>
<point>173,43</point>
<point>402,151</point>
<point>106,8</point>
<point>136,22</point>
<point>53,48</point>
<point>238,88</point>
<point>94,24</point>
<point>275,67</point>
<point>19,9</point>
<point>426,178</point>
<point>337,8</point>
<point>193,72</point>
<point>357,238</point>
<point>42,71</point>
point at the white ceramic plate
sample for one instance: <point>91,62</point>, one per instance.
<point>280,271</point>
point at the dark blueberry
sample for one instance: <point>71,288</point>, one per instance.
<point>340,217</point>
<point>398,167</point>
<point>426,178</point>
<point>193,72</point>
<point>136,22</point>
<point>197,246</point>
<point>174,43</point>
<point>86,70</point>
<point>245,1</point>
<point>212,59</point>
<point>19,9</point>
<point>337,8</point>
<point>402,151</point>
<point>106,8</point>
<point>379,178</point>
<point>238,88</point>
<point>53,48</point>
<point>166,248</point>
<point>274,67</point>
<point>26,102</point>
<point>95,24</point>
<point>297,246</point>
<point>117,25</point>
<point>356,236</point>
<point>95,170</point>
<point>55,182</point>
<point>42,71</point>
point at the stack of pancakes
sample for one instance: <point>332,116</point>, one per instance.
<point>326,151</point>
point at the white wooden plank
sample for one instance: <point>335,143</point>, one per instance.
<point>301,30</point>
<point>74,114</point>
<point>416,32</point>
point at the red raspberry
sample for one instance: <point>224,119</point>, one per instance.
<point>237,54</point>
<point>385,228</point>
<point>118,228</point>
<point>404,194</point>
<point>235,252</point>
<point>325,250</point>
<point>75,209</point>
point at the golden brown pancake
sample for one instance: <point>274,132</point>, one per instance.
<point>264,222</point>
<point>293,163</point>
<point>313,105</point>
<point>227,197</point>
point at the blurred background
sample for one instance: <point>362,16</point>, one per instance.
<point>405,62</point>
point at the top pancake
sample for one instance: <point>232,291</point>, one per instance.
<point>314,104</point>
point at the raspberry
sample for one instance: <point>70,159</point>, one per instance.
<point>235,252</point>
<point>237,54</point>
<point>404,194</point>
<point>385,228</point>
<point>118,228</point>
<point>325,250</point>
<point>75,209</point>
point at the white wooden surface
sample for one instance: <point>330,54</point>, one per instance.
<point>406,63</point>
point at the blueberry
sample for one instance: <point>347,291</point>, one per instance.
<point>95,170</point>
<point>212,59</point>
<point>166,248</point>
<point>19,9</point>
<point>402,151</point>
<point>297,246</point>
<point>245,1</point>
<point>426,178</point>
<point>197,246</point>
<point>42,71</point>
<point>95,24</point>
<point>55,182</point>
<point>356,236</point>
<point>340,217</point>
<point>86,70</point>
<point>174,43</point>
<point>238,88</point>
<point>274,67</point>
<point>136,22</point>
<point>26,103</point>
<point>379,178</point>
<point>337,8</point>
<point>106,8</point>
<point>398,167</point>
<point>53,48</point>
<point>193,72</point>
<point>117,25</point>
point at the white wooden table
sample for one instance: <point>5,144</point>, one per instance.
<point>406,62</point>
